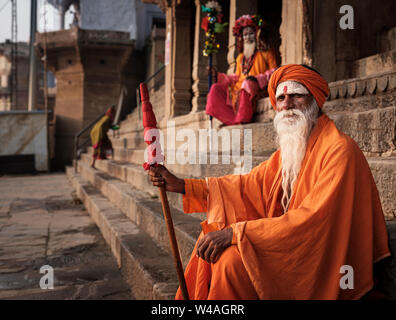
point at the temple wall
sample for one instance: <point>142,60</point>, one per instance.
<point>335,50</point>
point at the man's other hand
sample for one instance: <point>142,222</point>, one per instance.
<point>212,245</point>
<point>161,177</point>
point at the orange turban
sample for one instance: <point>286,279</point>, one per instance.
<point>314,82</point>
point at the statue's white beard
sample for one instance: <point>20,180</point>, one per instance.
<point>293,133</point>
<point>248,49</point>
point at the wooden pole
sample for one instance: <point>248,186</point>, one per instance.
<point>173,241</point>
<point>149,122</point>
<point>210,80</point>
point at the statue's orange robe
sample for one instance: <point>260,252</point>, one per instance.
<point>334,219</point>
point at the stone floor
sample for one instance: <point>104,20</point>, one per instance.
<point>43,223</point>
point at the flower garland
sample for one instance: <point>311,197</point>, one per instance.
<point>212,24</point>
<point>254,21</point>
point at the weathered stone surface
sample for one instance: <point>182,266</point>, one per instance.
<point>374,130</point>
<point>114,289</point>
<point>384,172</point>
<point>25,133</point>
<point>45,226</point>
<point>382,62</point>
<point>361,103</point>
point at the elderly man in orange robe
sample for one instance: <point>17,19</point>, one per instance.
<point>291,227</point>
<point>232,99</point>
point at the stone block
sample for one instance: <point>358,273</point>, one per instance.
<point>384,173</point>
<point>374,130</point>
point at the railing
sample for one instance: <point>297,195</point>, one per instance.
<point>138,100</point>
<point>77,136</point>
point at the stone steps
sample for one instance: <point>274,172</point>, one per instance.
<point>130,125</point>
<point>145,211</point>
<point>147,268</point>
<point>372,129</point>
<point>262,135</point>
<point>134,119</point>
<point>135,176</point>
<point>383,170</point>
<point>136,156</point>
<point>131,140</point>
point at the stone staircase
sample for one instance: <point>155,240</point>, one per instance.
<point>126,207</point>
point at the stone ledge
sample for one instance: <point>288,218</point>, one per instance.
<point>367,85</point>
<point>374,64</point>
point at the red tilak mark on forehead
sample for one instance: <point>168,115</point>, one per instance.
<point>285,89</point>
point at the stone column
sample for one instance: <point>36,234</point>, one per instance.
<point>181,60</point>
<point>296,31</point>
<point>307,31</point>
<point>199,73</point>
<point>237,9</point>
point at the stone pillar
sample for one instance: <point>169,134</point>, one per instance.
<point>199,73</point>
<point>307,31</point>
<point>237,9</point>
<point>296,32</point>
<point>181,60</point>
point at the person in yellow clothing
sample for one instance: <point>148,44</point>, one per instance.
<point>233,98</point>
<point>100,141</point>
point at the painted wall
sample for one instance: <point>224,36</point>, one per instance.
<point>24,133</point>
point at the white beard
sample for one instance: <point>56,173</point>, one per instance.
<point>248,49</point>
<point>293,133</point>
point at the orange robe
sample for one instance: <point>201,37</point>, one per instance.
<point>334,219</point>
<point>263,61</point>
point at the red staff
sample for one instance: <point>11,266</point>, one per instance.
<point>151,137</point>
